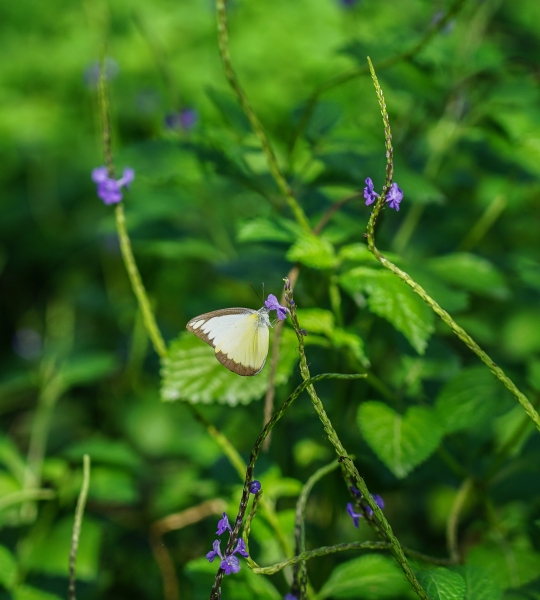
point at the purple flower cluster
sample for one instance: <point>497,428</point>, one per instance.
<point>272,303</point>
<point>109,189</point>
<point>393,197</point>
<point>357,516</point>
<point>229,563</point>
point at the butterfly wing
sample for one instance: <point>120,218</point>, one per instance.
<point>238,335</point>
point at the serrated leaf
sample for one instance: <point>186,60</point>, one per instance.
<point>266,230</point>
<point>478,584</point>
<point>509,565</point>
<point>471,398</point>
<point>369,577</point>
<point>401,441</point>
<point>8,568</point>
<point>191,372</point>
<point>313,251</point>
<point>392,299</point>
<point>316,320</point>
<point>470,272</point>
<point>442,584</point>
<point>26,592</point>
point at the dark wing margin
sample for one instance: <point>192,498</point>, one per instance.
<point>237,367</point>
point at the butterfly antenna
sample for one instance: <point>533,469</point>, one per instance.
<point>255,292</point>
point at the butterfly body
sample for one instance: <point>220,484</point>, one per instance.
<point>239,337</point>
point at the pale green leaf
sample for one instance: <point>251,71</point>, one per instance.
<point>266,230</point>
<point>471,398</point>
<point>478,584</point>
<point>50,553</point>
<point>470,272</point>
<point>191,372</point>
<point>8,568</point>
<point>313,251</point>
<point>401,441</point>
<point>316,320</point>
<point>25,592</point>
<point>392,299</point>
<point>442,584</point>
<point>368,577</point>
<point>521,334</point>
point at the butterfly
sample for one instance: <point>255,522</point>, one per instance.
<point>239,336</point>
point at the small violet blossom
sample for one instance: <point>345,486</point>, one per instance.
<point>223,525</point>
<point>108,189</point>
<point>272,303</point>
<point>229,563</point>
<point>394,196</point>
<point>357,516</point>
<point>255,486</point>
<point>185,119</point>
<point>369,192</point>
<point>290,596</point>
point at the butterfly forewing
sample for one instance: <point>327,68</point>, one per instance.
<point>238,335</point>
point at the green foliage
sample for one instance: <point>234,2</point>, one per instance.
<point>369,577</point>
<point>401,441</point>
<point>8,568</point>
<point>478,584</point>
<point>442,584</point>
<point>313,251</point>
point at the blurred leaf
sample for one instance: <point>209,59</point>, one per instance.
<point>442,584</point>
<point>369,577</point>
<point>103,450</point>
<point>345,339</point>
<point>266,230</point>
<point>508,565</point>
<point>25,592</point>
<point>50,553</point>
<point>401,441</point>
<point>392,299</point>
<point>478,584</point>
<point>356,253</point>
<point>191,372</point>
<point>316,320</point>
<point>87,368</point>
<point>324,118</point>
<point>521,333</point>
<point>307,451</point>
<point>275,485</point>
<point>515,421</point>
<point>12,459</point>
<point>528,271</point>
<point>8,568</point>
<point>229,108</point>
<point>313,251</point>
<point>112,485</point>
<point>470,272</point>
<point>418,188</point>
<point>471,398</point>
<point>182,248</point>
<point>449,298</point>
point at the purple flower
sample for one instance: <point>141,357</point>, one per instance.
<point>348,3</point>
<point>369,192</point>
<point>241,548</point>
<point>185,119</point>
<point>357,516</point>
<point>230,564</point>
<point>394,196</point>
<point>290,596</point>
<point>272,303</point>
<point>223,525</point>
<point>350,509</point>
<point>215,552</point>
<point>255,486</point>
<point>108,189</point>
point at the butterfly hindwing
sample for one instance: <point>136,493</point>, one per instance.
<point>238,335</point>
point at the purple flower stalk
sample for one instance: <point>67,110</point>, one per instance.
<point>230,564</point>
<point>255,486</point>
<point>357,516</point>
<point>108,189</point>
<point>394,196</point>
<point>272,303</point>
<point>369,192</point>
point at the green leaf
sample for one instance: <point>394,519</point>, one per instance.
<point>104,450</point>
<point>87,368</point>
<point>470,272</point>
<point>470,399</point>
<point>449,298</point>
<point>8,568</point>
<point>50,553</point>
<point>442,584</point>
<point>369,577</point>
<point>401,441</point>
<point>313,251</point>
<point>392,299</point>
<point>324,118</point>
<point>266,230</point>
<point>521,334</point>
<point>316,320</point>
<point>478,584</point>
<point>229,108</point>
<point>112,485</point>
<point>182,248</point>
<point>345,339</point>
<point>25,592</point>
<point>509,565</point>
<point>191,372</point>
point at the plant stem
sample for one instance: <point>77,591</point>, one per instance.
<point>453,518</point>
<point>79,512</point>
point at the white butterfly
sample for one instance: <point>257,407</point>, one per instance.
<point>239,335</point>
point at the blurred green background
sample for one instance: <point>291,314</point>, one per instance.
<point>78,374</point>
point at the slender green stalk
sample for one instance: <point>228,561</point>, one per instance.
<point>25,495</point>
<point>378,521</point>
<point>223,40</point>
<point>453,518</point>
<point>459,331</point>
<point>79,513</point>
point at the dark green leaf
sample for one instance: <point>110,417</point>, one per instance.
<point>442,584</point>
<point>478,584</point>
